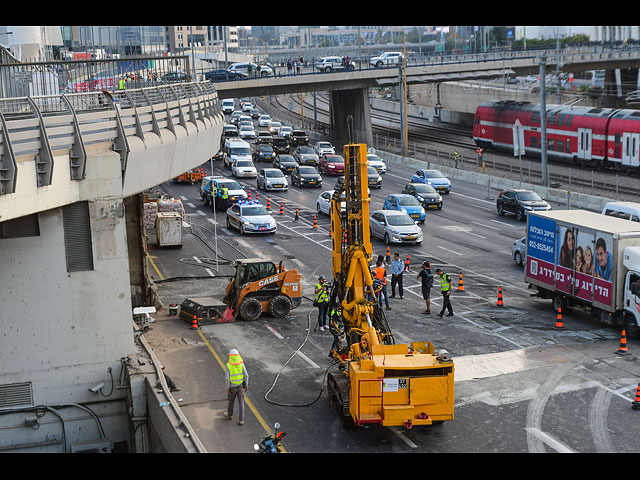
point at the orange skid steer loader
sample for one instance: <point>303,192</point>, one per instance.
<point>260,286</point>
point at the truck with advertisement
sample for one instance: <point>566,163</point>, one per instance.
<point>584,259</point>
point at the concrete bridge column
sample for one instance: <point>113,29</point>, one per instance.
<point>355,103</point>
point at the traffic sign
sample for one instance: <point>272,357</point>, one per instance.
<point>518,138</point>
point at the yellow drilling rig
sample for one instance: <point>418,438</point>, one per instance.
<point>378,382</point>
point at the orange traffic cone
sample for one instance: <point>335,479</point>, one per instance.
<point>281,208</point>
<point>500,304</point>
<point>636,403</point>
<point>249,195</point>
<point>406,263</point>
<point>388,255</point>
<point>315,221</point>
<point>257,196</point>
<point>268,203</point>
<point>559,323</point>
<point>194,324</point>
<point>623,350</point>
<point>330,230</point>
<point>296,214</point>
<point>460,284</point>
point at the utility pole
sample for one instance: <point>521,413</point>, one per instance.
<point>543,123</point>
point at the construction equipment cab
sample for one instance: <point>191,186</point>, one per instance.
<point>259,286</point>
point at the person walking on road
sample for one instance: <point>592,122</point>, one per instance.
<point>426,277</point>
<point>237,380</point>
<point>322,302</point>
<point>381,275</point>
<point>397,268</point>
<point>445,286</point>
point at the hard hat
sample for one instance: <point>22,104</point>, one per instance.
<point>233,352</point>
<point>321,277</point>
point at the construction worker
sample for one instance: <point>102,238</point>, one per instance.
<point>426,277</point>
<point>237,380</point>
<point>479,159</point>
<point>456,157</point>
<point>445,286</point>
<point>336,327</point>
<point>397,269</point>
<point>122,84</point>
<point>322,301</point>
<point>381,275</point>
<point>214,194</point>
<point>224,197</point>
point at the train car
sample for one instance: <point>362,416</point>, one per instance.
<point>586,136</point>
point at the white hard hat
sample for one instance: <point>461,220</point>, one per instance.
<point>233,352</point>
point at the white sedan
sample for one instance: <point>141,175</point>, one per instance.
<point>376,162</point>
<point>264,121</point>
<point>244,168</point>
<point>323,204</point>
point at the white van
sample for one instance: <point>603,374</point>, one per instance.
<point>626,210</point>
<point>235,149</point>
<point>228,105</point>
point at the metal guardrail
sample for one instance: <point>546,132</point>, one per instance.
<point>42,125</point>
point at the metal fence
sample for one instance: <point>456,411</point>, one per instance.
<point>55,78</point>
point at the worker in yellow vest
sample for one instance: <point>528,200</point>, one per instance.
<point>122,84</point>
<point>237,380</point>
<point>445,287</point>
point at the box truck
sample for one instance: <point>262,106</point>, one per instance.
<point>580,258</point>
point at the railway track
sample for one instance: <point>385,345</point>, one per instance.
<point>439,142</point>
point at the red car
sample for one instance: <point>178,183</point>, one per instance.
<point>332,164</point>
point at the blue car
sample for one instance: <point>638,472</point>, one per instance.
<point>435,178</point>
<point>407,204</point>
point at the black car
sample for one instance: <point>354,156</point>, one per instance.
<point>520,202</point>
<point>221,75</point>
<point>286,163</point>
<point>425,194</point>
<point>264,153</point>
<point>299,137</point>
<point>306,175</point>
<point>280,145</point>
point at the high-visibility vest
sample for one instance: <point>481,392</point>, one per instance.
<point>445,282</point>
<point>380,275</point>
<point>321,296</point>
<point>212,189</point>
<point>225,193</point>
<point>121,84</point>
<point>236,370</point>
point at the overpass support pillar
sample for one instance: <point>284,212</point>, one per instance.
<point>355,103</point>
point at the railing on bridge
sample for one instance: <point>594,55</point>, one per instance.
<point>40,125</point>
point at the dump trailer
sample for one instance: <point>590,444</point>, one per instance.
<point>261,286</point>
<point>378,382</point>
<point>579,258</point>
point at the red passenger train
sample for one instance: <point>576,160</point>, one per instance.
<point>586,136</point>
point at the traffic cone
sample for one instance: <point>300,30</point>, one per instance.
<point>406,263</point>
<point>268,203</point>
<point>281,208</point>
<point>249,195</point>
<point>315,221</point>
<point>388,255</point>
<point>330,230</point>
<point>460,284</point>
<point>500,304</point>
<point>296,214</point>
<point>257,196</point>
<point>559,323</point>
<point>623,350</point>
<point>194,324</point>
<point>636,403</point>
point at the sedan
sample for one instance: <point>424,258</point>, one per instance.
<point>272,179</point>
<point>264,121</point>
<point>250,217</point>
<point>519,251</point>
<point>373,178</point>
<point>244,168</point>
<point>286,163</point>
<point>520,202</point>
<point>394,227</point>
<point>434,178</point>
<point>306,175</point>
<point>305,155</point>
<point>324,148</point>
<point>323,204</point>
<point>264,137</point>
<point>425,194</point>
<point>406,204</point>
<point>247,132</point>
<point>264,153</point>
<point>275,127</point>
<point>299,137</point>
<point>255,113</point>
<point>332,164</point>
<point>285,132</point>
<point>376,162</point>
<point>247,107</point>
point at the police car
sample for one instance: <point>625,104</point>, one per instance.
<point>249,216</point>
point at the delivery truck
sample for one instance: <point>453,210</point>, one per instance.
<point>579,258</point>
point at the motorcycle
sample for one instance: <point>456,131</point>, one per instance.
<point>271,443</point>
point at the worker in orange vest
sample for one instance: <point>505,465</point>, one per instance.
<point>479,159</point>
<point>381,275</point>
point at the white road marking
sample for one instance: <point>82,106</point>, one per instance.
<point>549,440</point>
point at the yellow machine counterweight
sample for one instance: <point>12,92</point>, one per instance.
<point>379,381</point>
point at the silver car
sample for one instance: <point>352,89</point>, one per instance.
<point>305,155</point>
<point>323,148</point>
<point>323,204</point>
<point>250,217</point>
<point>519,251</point>
<point>272,179</point>
<point>393,226</point>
